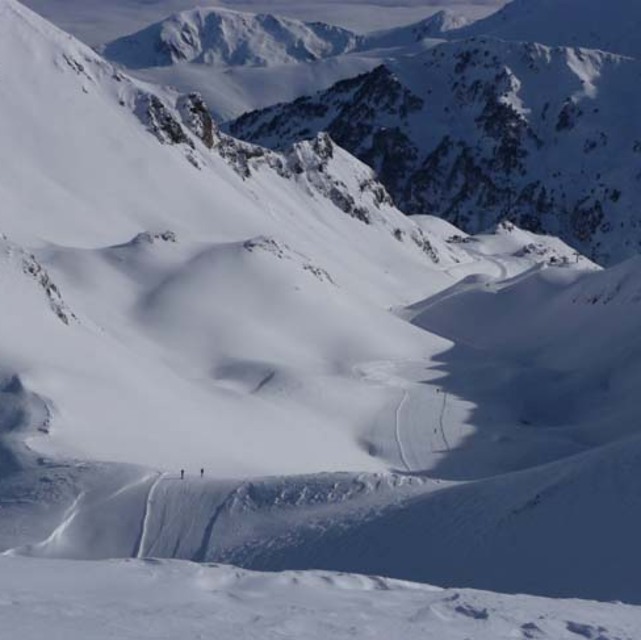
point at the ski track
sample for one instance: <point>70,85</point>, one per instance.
<point>441,421</point>
<point>59,531</point>
<point>397,431</point>
<point>205,545</point>
<point>480,257</point>
<point>146,516</point>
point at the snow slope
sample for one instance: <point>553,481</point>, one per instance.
<point>132,371</point>
<point>434,27</point>
<point>221,37</point>
<point>183,300</point>
<point>232,91</point>
<point>163,600</point>
<point>483,130</point>
<point>551,470</point>
<point>576,23</point>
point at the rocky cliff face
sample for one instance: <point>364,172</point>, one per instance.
<point>482,131</point>
<point>318,165</point>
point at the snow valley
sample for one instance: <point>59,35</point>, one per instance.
<point>227,349</point>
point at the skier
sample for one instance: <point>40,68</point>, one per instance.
<point>202,473</point>
<point>182,474</point>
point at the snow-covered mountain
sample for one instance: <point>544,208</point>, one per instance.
<point>95,22</point>
<point>612,26</point>
<point>483,130</point>
<point>222,37</point>
<point>240,61</point>
<point>132,204</point>
<point>437,26</point>
<point>363,391</point>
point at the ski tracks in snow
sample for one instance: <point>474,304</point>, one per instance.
<point>397,431</point>
<point>140,552</point>
<point>441,420</point>
<point>414,412</point>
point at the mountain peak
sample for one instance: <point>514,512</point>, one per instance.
<point>223,37</point>
<point>436,26</point>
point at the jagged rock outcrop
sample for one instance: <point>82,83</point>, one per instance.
<point>35,270</point>
<point>356,192</point>
<point>482,131</point>
<point>161,121</point>
<point>196,116</point>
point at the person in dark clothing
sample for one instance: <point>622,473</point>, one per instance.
<point>182,474</point>
<point>202,473</point>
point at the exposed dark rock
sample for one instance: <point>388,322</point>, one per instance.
<point>462,144</point>
<point>35,270</point>
<point>196,116</point>
<point>161,121</point>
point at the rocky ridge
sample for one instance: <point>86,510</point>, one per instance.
<point>482,131</point>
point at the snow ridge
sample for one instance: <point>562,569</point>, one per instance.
<point>221,37</point>
<point>577,23</point>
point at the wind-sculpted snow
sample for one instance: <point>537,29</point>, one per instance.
<point>535,531</point>
<point>163,600</point>
<point>481,130</point>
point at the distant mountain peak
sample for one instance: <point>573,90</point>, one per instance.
<point>439,23</point>
<point>436,26</point>
<point>222,37</point>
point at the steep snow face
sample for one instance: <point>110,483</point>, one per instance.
<point>579,23</point>
<point>218,37</point>
<point>481,130</point>
<point>210,281</point>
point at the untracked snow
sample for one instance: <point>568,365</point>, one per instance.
<point>165,600</point>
